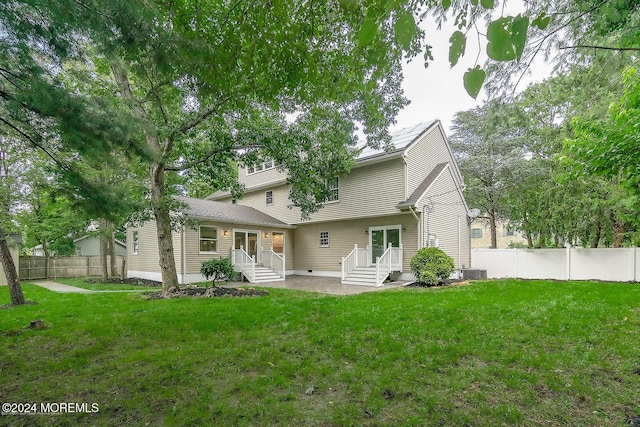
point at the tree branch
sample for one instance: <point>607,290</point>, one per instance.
<point>196,162</point>
<point>210,154</point>
<point>588,46</point>
<point>199,119</point>
<point>35,144</point>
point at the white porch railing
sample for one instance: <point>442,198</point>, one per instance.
<point>274,261</point>
<point>389,261</point>
<point>244,263</point>
<point>358,257</point>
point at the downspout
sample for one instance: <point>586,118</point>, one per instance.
<point>459,268</point>
<point>183,258</point>
<point>411,208</point>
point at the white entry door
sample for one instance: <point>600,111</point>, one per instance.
<point>381,237</point>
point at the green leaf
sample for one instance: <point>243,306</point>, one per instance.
<point>473,80</point>
<point>519,34</point>
<point>391,4</point>
<point>350,5</point>
<point>487,4</point>
<point>458,44</point>
<point>474,2</point>
<point>446,4</point>
<point>404,29</point>
<point>541,21</point>
<point>500,46</point>
<point>367,32</point>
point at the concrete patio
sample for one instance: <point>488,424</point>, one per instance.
<point>324,285</point>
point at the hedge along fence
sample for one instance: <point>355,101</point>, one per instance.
<point>612,264</point>
<point>37,267</point>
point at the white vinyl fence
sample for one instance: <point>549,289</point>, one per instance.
<point>612,264</point>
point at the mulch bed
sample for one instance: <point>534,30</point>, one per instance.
<point>449,282</point>
<point>133,281</point>
<point>211,292</point>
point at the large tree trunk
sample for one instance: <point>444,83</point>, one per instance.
<point>163,227</point>
<point>112,251</point>
<point>10,272</point>
<point>104,249</point>
<point>492,228</point>
<point>158,191</point>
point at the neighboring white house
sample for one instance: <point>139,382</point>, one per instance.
<point>88,245</point>
<point>391,204</point>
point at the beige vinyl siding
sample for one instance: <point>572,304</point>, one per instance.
<point>147,258</point>
<point>261,177</point>
<point>370,190</point>
<point>430,150</point>
<point>279,209</point>
<point>446,206</point>
<point>225,243</point>
<point>342,237</point>
<point>194,258</point>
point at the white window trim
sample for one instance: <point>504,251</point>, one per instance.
<point>320,239</point>
<point>283,239</point>
<point>337,188</point>
<point>207,238</point>
<point>135,242</point>
<point>261,167</point>
<point>385,228</point>
<point>266,199</point>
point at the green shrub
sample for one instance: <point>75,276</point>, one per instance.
<point>218,270</point>
<point>431,264</point>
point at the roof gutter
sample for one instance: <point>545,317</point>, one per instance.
<point>237,221</point>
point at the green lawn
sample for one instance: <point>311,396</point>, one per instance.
<point>493,353</point>
<point>80,282</point>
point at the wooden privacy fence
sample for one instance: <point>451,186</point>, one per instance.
<point>39,267</point>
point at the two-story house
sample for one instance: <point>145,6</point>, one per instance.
<point>391,204</point>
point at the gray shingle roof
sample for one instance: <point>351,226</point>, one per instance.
<point>424,186</point>
<point>400,139</point>
<point>224,212</point>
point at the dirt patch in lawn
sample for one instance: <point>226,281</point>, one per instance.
<point>212,292</point>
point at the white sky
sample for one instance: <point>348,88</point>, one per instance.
<point>438,91</point>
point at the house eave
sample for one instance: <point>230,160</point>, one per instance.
<point>239,221</point>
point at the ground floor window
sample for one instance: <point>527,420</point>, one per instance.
<point>324,239</point>
<point>208,239</point>
<point>135,242</point>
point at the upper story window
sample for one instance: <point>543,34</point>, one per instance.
<point>476,233</point>
<point>208,239</point>
<point>508,232</point>
<point>269,197</point>
<point>259,167</point>
<point>135,242</point>
<point>333,185</point>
